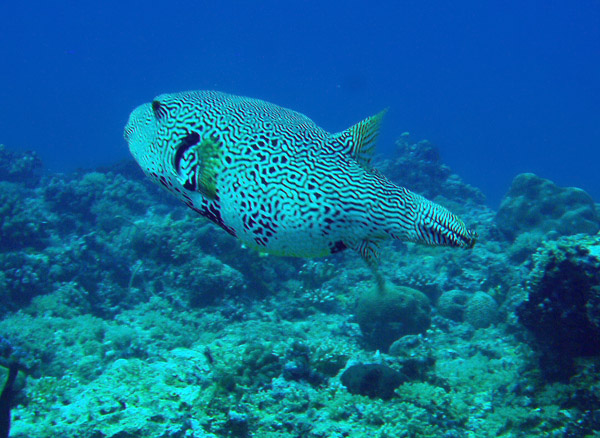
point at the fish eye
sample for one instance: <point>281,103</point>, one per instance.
<point>159,109</point>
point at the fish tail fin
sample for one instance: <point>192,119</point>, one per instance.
<point>426,222</point>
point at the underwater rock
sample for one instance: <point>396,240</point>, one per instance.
<point>451,304</point>
<point>563,305</point>
<point>537,204</point>
<point>414,356</point>
<point>372,380</point>
<point>21,167</point>
<point>587,404</point>
<point>481,310</point>
<point>238,424</point>
<point>385,317</point>
<point>406,345</point>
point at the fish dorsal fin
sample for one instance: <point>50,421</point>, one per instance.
<point>359,140</point>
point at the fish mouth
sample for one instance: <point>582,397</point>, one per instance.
<point>437,226</point>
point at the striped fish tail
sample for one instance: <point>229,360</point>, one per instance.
<point>435,225</point>
<point>426,222</point>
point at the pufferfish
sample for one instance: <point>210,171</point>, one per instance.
<point>278,182</point>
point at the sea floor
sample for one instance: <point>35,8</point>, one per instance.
<point>133,317</point>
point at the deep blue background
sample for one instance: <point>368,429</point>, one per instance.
<point>501,87</point>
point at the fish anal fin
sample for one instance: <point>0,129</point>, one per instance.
<point>359,140</point>
<point>367,249</point>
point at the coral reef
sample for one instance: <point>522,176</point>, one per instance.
<point>136,318</point>
<point>481,310</point>
<point>385,317</point>
<point>452,304</point>
<point>537,204</point>
<point>22,223</point>
<point>563,303</point>
<point>20,167</point>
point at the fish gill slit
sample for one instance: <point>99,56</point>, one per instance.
<point>186,143</point>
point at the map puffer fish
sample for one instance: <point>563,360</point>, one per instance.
<point>278,182</point>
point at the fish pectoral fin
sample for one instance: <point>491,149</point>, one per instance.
<point>359,140</point>
<point>199,167</point>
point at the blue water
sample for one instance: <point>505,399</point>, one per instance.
<point>501,87</point>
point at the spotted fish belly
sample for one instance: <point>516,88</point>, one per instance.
<point>277,181</point>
